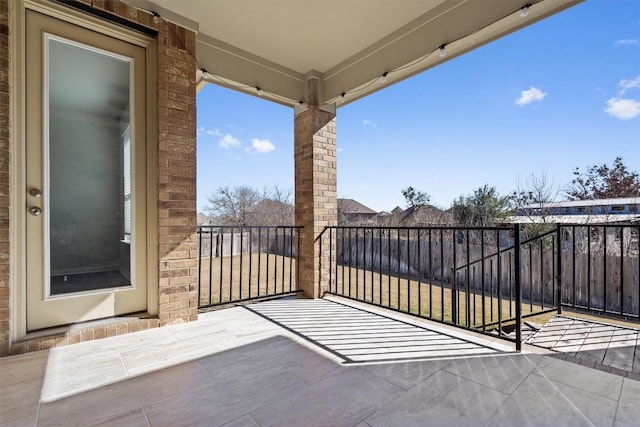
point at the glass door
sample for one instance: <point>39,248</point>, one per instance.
<point>85,174</point>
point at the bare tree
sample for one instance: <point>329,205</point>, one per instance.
<point>275,208</point>
<point>533,197</point>
<point>244,205</point>
<point>233,205</point>
<point>533,200</point>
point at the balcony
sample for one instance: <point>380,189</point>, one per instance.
<point>387,358</point>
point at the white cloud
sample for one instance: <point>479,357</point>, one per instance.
<point>625,85</point>
<point>229,141</point>
<point>530,95</point>
<point>623,42</point>
<point>213,132</point>
<point>368,124</point>
<point>262,145</point>
<point>623,108</point>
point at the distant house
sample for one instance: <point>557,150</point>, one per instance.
<point>397,210</point>
<point>626,209</point>
<point>204,219</point>
<point>426,215</point>
<point>271,212</point>
<point>352,212</point>
<point>418,215</point>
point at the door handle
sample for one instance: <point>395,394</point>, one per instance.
<point>34,192</point>
<point>35,211</point>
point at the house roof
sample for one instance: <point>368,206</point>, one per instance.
<point>309,50</point>
<point>204,219</point>
<point>575,219</point>
<point>587,203</point>
<point>350,206</point>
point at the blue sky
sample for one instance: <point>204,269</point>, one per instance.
<point>560,94</point>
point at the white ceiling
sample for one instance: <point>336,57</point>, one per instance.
<point>304,35</point>
<point>341,46</point>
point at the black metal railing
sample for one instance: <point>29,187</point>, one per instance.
<point>242,263</point>
<point>600,269</point>
<point>488,279</point>
<point>479,278</point>
<point>485,279</point>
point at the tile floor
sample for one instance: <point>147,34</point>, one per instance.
<point>602,344</point>
<point>235,367</point>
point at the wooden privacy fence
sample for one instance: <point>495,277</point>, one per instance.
<point>600,268</point>
<point>481,258</point>
<point>231,240</point>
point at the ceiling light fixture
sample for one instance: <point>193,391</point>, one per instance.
<point>443,51</point>
<point>524,11</point>
<point>156,17</point>
<point>343,96</point>
<point>383,78</point>
<point>259,91</point>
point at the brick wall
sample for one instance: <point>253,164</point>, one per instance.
<point>315,192</point>
<point>176,182</point>
<point>177,217</point>
<point>5,169</point>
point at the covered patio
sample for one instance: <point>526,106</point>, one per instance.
<point>317,360</point>
<point>260,365</point>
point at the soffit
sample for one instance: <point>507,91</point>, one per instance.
<point>286,47</point>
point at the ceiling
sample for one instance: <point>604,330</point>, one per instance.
<point>314,51</point>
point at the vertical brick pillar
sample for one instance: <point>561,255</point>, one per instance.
<point>5,174</point>
<point>177,245</point>
<point>316,204</point>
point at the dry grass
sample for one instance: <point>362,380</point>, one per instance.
<point>247,276</point>
<point>424,298</point>
<point>259,274</point>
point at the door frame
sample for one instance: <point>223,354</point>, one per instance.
<point>18,264</point>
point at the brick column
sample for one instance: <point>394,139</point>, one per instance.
<point>316,204</point>
<point>177,244</point>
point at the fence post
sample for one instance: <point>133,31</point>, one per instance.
<point>518,290</point>
<point>559,269</point>
<point>454,297</point>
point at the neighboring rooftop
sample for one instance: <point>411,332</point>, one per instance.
<point>587,203</point>
<point>350,206</point>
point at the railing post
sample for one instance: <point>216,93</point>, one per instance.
<point>559,269</point>
<point>454,297</point>
<point>518,290</point>
<point>200,264</point>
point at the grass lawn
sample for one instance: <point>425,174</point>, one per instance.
<point>254,275</point>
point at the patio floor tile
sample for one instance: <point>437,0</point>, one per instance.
<point>499,373</point>
<point>540,401</point>
<point>443,399</point>
<point>221,402</point>
<point>597,382</point>
<point>249,371</point>
<point>629,406</point>
<point>344,398</point>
